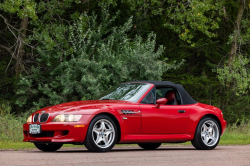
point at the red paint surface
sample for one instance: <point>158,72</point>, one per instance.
<point>148,124</point>
<point>164,120</point>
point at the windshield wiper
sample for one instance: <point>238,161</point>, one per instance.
<point>107,99</point>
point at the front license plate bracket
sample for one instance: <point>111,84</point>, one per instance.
<point>35,129</point>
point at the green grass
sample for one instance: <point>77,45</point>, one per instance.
<point>16,145</point>
<point>232,136</point>
<point>236,136</point>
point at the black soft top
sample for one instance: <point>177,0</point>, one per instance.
<point>186,98</point>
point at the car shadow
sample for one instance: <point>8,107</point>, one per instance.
<point>117,150</point>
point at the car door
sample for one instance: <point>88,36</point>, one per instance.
<point>167,119</point>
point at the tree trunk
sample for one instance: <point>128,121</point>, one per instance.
<point>17,52</point>
<point>20,51</point>
<point>234,45</point>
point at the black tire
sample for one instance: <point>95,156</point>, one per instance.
<point>150,146</point>
<point>90,136</point>
<point>47,147</point>
<point>198,142</point>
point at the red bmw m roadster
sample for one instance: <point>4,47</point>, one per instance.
<point>147,113</point>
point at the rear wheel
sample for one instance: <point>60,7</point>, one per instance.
<point>207,134</point>
<point>150,146</point>
<point>47,147</point>
<point>101,135</point>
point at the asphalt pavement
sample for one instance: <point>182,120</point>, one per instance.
<point>172,155</point>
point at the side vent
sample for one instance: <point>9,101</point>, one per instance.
<point>128,112</point>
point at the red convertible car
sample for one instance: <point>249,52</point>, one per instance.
<point>147,113</point>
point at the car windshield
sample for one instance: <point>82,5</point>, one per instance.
<point>128,92</point>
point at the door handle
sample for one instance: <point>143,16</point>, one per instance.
<point>181,111</point>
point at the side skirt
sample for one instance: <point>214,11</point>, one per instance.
<point>155,138</point>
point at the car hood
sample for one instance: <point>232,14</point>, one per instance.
<point>76,106</point>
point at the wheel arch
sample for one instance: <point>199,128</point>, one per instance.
<point>115,121</point>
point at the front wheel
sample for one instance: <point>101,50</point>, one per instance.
<point>47,147</point>
<point>207,134</point>
<point>150,146</point>
<point>101,135</point>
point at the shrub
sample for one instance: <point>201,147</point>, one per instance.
<point>86,58</point>
<point>11,125</point>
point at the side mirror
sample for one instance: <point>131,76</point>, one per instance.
<point>161,101</point>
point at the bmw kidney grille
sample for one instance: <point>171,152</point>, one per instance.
<point>42,118</point>
<point>35,118</point>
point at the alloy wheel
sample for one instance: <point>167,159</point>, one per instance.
<point>209,133</point>
<point>103,133</point>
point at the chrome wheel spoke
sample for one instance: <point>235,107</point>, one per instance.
<point>211,137</point>
<point>98,139</point>
<point>97,131</point>
<point>206,139</point>
<point>204,127</point>
<point>106,139</point>
<point>210,129</point>
<point>204,130</point>
<point>103,126</point>
<point>109,131</point>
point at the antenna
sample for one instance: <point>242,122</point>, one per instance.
<point>211,95</point>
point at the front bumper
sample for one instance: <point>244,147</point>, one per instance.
<point>56,133</point>
<point>223,126</point>
<point>61,132</point>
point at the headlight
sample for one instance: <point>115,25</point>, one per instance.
<point>29,120</point>
<point>67,118</point>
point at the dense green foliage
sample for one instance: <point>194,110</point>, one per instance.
<point>68,53</point>
<point>95,57</point>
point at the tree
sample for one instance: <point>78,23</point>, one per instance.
<point>234,72</point>
<point>24,9</point>
<point>96,56</point>
<point>19,20</point>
